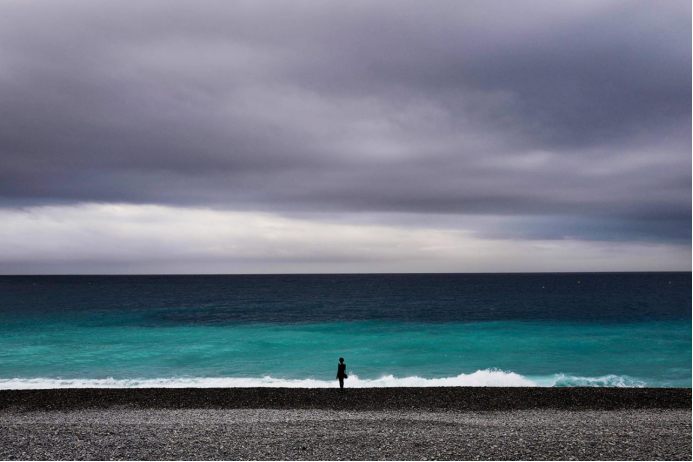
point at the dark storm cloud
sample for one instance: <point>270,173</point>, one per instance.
<point>573,115</point>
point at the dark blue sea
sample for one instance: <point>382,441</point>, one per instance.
<point>549,329</point>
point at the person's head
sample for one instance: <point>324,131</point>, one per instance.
<point>341,360</point>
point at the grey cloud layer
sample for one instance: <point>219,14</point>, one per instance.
<point>573,115</point>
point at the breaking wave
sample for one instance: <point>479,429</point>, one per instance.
<point>481,378</point>
<point>561,380</point>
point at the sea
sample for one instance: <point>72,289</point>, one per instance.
<point>425,330</point>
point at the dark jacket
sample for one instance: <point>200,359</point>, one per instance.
<point>341,371</point>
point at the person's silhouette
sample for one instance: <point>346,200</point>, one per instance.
<point>341,373</point>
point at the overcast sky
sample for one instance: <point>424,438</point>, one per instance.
<point>291,137</point>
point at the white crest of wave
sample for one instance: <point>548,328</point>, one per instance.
<point>485,378</point>
<point>562,380</point>
<point>481,378</point>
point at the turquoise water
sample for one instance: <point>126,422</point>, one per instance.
<point>94,343</point>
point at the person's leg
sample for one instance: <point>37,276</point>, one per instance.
<point>341,383</point>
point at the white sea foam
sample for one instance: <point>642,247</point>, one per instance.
<point>482,378</point>
<point>562,380</point>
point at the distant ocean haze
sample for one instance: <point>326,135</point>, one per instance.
<point>551,329</point>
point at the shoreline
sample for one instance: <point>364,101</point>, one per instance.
<point>477,399</point>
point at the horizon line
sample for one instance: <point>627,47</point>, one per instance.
<point>344,274</point>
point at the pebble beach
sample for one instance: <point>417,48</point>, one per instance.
<point>367,424</point>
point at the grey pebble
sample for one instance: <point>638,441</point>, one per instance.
<point>122,433</point>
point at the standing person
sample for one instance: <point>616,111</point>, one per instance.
<point>341,373</point>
